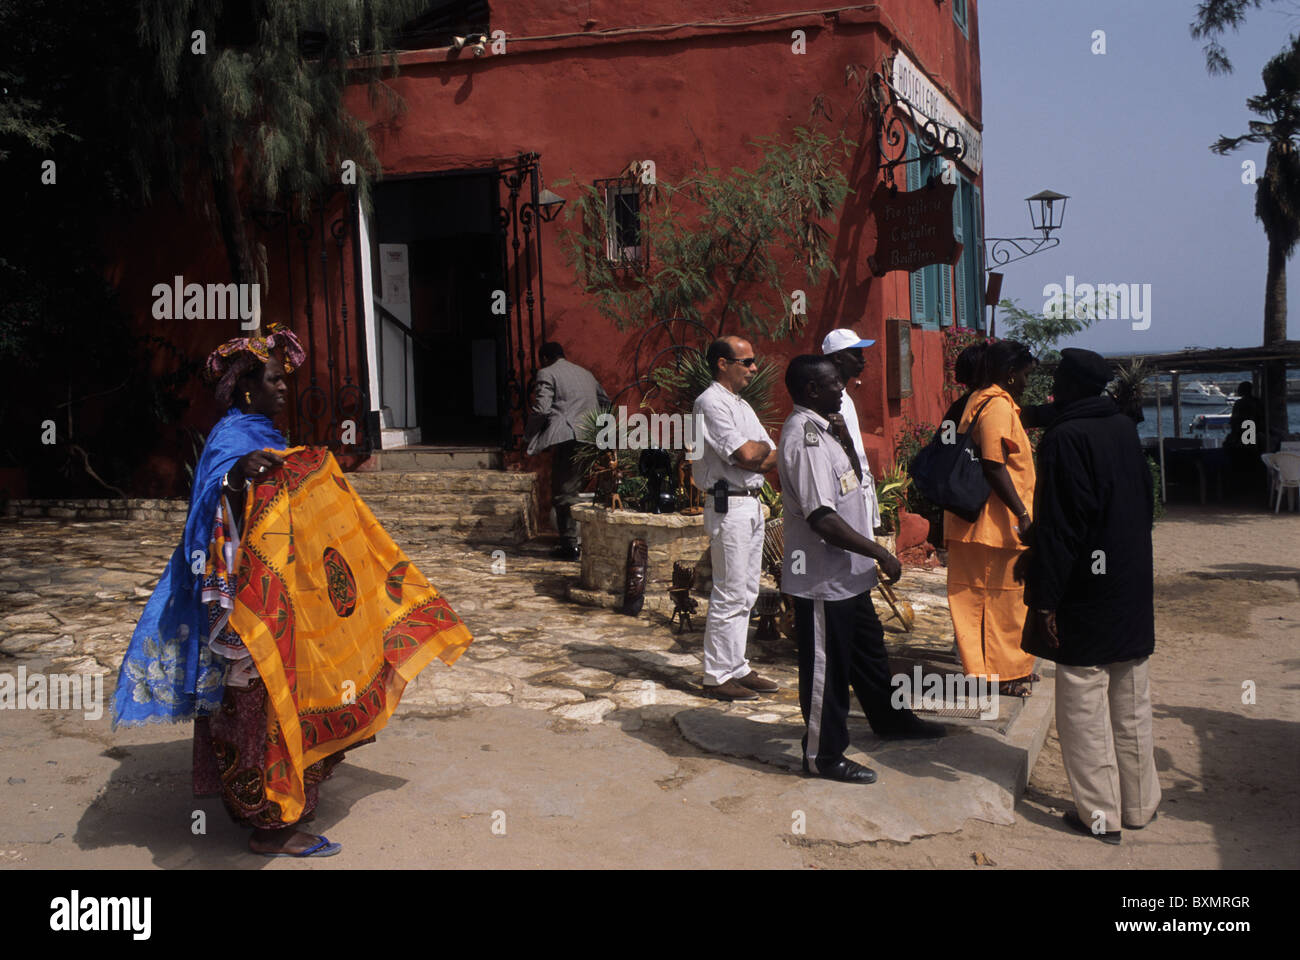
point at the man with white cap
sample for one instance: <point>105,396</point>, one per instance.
<point>843,347</point>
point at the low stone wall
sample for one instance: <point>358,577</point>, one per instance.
<point>79,509</point>
<point>606,534</point>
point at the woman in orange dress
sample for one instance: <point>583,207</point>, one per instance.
<point>987,605</point>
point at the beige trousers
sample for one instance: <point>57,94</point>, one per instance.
<point>1103,717</point>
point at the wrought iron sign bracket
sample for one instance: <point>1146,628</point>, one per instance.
<point>999,251</point>
<point>893,110</point>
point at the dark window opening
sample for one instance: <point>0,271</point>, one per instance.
<point>625,243</point>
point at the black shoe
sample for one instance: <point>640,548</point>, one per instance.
<point>914,729</point>
<point>845,771</point>
<point>565,551</point>
<point>1074,823</point>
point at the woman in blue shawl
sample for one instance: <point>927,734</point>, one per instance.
<point>182,662</point>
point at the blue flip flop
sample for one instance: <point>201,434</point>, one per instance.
<point>322,849</point>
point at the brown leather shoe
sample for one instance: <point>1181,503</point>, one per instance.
<point>758,684</point>
<point>731,690</point>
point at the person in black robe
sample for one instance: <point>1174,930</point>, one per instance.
<point>1089,584</point>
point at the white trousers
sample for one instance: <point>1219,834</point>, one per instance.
<point>1103,717</point>
<point>736,549</point>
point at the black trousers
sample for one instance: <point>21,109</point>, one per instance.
<point>566,484</point>
<point>841,645</point>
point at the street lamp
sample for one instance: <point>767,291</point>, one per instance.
<point>1048,217</point>
<point>1046,213</point>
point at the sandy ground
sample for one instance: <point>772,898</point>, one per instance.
<point>570,794</point>
<point>1227,612</point>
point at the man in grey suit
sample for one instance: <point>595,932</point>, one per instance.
<point>563,393</point>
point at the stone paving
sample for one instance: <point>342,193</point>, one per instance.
<point>71,592</point>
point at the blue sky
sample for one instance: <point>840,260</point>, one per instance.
<point>1126,135</point>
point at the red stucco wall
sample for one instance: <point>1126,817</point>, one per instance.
<point>589,105</point>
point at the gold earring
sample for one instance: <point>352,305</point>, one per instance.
<point>247,397</point>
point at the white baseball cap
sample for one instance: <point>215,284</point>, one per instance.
<point>843,339</point>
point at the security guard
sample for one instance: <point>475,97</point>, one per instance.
<point>829,568</point>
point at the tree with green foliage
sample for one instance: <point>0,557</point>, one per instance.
<point>1041,332</point>
<point>1214,18</point>
<point>229,106</point>
<point>261,86</point>
<point>724,246</point>
<point>1277,202</point>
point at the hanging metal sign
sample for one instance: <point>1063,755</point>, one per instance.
<point>913,228</point>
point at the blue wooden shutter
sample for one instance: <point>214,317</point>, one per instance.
<point>917,277</point>
<point>959,205</point>
<point>942,271</point>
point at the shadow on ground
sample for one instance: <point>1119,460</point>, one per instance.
<point>141,806</point>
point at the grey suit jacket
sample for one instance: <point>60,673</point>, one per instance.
<point>564,392</point>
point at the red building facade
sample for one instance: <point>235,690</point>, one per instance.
<point>411,338</point>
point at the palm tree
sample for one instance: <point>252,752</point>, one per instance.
<point>1277,201</point>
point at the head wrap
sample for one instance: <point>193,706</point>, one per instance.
<point>1086,368</point>
<point>234,358</point>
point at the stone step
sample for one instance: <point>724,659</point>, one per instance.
<point>506,529</point>
<point>411,459</point>
<point>447,481</point>
<point>399,505</point>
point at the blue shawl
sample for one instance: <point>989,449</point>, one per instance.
<point>169,674</point>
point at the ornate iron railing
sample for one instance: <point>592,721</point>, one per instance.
<point>334,394</point>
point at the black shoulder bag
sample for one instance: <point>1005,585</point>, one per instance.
<point>950,475</point>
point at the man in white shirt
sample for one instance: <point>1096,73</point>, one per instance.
<point>843,347</point>
<point>735,453</point>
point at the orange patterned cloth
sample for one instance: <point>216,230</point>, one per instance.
<point>337,619</point>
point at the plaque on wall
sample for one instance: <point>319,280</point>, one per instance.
<point>898,358</point>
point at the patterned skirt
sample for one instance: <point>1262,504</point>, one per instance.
<point>230,760</point>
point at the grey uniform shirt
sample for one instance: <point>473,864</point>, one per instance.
<point>816,472</point>
<point>726,423</point>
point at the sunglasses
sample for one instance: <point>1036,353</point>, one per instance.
<point>747,361</point>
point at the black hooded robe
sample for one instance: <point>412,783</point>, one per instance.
<point>1091,557</point>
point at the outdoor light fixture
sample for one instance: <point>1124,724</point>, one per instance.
<point>1049,216</point>
<point>1046,213</point>
<point>549,205</point>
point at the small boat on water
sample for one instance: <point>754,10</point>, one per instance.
<point>1195,392</point>
<point>1198,393</point>
<point>1211,421</point>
